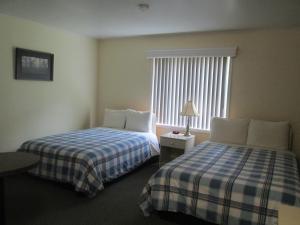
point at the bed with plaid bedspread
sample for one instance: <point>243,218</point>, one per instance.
<point>225,184</point>
<point>88,158</point>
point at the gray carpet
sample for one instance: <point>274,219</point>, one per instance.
<point>33,201</point>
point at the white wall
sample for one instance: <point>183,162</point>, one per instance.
<point>31,109</point>
<point>265,73</point>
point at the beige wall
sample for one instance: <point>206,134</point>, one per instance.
<point>265,75</point>
<point>30,109</point>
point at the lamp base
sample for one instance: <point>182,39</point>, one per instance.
<point>187,131</point>
<point>187,134</point>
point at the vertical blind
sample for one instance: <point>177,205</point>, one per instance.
<point>204,80</point>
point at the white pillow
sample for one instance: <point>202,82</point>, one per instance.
<point>231,131</point>
<point>114,118</point>
<point>266,134</point>
<point>138,121</point>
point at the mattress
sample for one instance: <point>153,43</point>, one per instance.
<point>225,184</point>
<point>89,158</point>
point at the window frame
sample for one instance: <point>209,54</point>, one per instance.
<point>230,52</point>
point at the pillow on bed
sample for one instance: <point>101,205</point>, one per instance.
<point>231,131</point>
<point>114,118</point>
<point>266,134</point>
<point>138,121</point>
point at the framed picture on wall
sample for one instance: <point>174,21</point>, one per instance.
<point>33,65</point>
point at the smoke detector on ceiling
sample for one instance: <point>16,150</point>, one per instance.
<point>143,6</point>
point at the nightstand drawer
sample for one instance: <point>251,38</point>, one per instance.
<point>171,142</point>
<point>174,145</point>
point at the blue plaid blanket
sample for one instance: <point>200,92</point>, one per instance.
<point>88,158</point>
<point>225,184</point>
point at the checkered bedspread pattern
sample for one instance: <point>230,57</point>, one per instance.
<point>88,158</point>
<point>224,185</point>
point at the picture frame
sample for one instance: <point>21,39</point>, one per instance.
<point>33,65</point>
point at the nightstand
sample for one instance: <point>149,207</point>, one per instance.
<point>174,145</point>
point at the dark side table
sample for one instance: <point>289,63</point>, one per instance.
<point>12,163</point>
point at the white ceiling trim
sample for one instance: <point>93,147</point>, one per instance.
<point>168,53</point>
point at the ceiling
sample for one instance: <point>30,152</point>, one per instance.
<point>119,18</point>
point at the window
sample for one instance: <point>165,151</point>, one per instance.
<point>179,77</point>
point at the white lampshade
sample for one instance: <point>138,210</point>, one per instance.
<point>189,109</point>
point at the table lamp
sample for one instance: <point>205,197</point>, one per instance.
<point>189,110</point>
